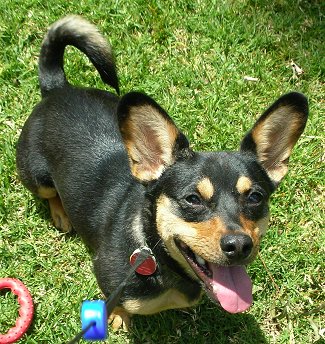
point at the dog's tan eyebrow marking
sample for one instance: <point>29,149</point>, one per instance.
<point>205,188</point>
<point>244,184</point>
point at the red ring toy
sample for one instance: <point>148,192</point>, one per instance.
<point>26,310</point>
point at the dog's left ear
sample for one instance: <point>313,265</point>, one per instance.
<point>151,138</point>
<point>275,133</point>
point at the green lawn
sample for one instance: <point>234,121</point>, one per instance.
<point>191,56</point>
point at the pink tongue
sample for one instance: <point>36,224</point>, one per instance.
<point>232,287</point>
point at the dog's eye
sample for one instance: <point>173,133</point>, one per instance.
<point>193,199</point>
<point>255,197</point>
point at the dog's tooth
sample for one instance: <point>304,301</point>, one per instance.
<point>199,259</point>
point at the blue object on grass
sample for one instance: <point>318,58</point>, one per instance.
<point>94,320</point>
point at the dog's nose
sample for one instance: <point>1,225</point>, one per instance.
<point>236,246</point>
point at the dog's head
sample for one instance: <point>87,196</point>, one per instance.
<point>212,208</point>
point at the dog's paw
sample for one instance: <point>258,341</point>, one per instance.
<point>59,216</point>
<point>120,319</point>
<point>62,222</point>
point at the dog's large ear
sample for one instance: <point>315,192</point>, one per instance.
<point>151,138</point>
<point>275,133</point>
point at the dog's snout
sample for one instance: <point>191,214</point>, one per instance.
<point>236,246</point>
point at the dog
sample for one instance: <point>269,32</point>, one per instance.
<point>120,173</point>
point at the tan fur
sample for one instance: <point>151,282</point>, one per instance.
<point>205,188</point>
<point>203,238</point>
<point>44,192</point>
<point>120,319</point>
<point>263,224</point>
<point>274,146</point>
<point>168,225</point>
<point>207,241</point>
<point>149,141</point>
<point>170,299</point>
<point>255,230</point>
<point>244,184</point>
<point>59,216</point>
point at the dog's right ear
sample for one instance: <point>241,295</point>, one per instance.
<point>151,138</point>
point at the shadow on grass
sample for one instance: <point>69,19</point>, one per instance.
<point>204,325</point>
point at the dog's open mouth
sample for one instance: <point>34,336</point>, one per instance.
<point>228,285</point>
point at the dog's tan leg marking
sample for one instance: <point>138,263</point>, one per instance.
<point>59,216</point>
<point>46,193</point>
<point>170,299</point>
<point>120,319</point>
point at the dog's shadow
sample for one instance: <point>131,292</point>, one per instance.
<point>204,324</point>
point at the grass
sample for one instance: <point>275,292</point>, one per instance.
<point>191,57</point>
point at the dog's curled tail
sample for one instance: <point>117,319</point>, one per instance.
<point>76,31</point>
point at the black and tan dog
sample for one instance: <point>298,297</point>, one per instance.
<point>121,173</point>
